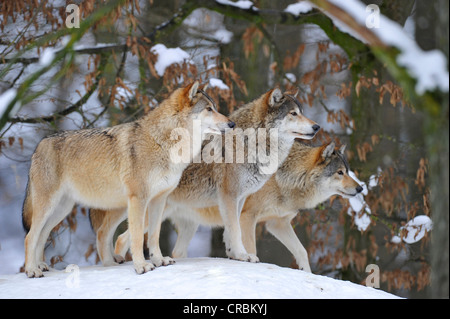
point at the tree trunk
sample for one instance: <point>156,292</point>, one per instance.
<point>438,150</point>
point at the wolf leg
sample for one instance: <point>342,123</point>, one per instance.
<point>248,227</point>
<point>229,211</point>
<point>155,215</point>
<point>122,246</point>
<point>31,266</point>
<point>186,230</point>
<point>44,207</point>
<point>62,209</point>
<point>282,229</point>
<point>105,235</point>
<point>136,215</point>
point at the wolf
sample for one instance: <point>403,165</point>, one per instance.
<point>308,177</point>
<point>227,185</point>
<point>127,166</point>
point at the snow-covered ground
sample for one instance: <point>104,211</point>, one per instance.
<point>203,278</point>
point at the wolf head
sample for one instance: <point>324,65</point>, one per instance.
<point>285,112</point>
<point>334,172</point>
<point>317,173</point>
<point>198,105</point>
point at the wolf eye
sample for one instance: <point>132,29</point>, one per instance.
<point>209,109</point>
<point>294,113</point>
<point>340,172</point>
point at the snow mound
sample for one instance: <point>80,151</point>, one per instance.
<point>201,278</point>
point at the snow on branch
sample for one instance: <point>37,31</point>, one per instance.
<point>168,56</point>
<point>298,8</point>
<point>47,61</point>
<point>429,69</point>
<point>242,4</point>
<point>414,230</point>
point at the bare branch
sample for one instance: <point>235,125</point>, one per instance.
<point>75,107</point>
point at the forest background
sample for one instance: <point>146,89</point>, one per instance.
<point>386,99</point>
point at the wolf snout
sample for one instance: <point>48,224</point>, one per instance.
<point>223,127</point>
<point>316,128</point>
<point>359,189</point>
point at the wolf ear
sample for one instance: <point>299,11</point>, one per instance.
<point>205,87</point>
<point>193,90</point>
<point>342,149</point>
<point>275,97</point>
<point>328,150</point>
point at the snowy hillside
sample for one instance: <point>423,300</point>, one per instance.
<point>188,278</point>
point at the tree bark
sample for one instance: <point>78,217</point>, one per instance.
<point>438,150</point>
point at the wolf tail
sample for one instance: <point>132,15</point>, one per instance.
<point>27,209</point>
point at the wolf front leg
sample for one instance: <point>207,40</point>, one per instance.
<point>248,228</point>
<point>136,215</point>
<point>155,216</point>
<point>282,229</point>
<point>229,211</point>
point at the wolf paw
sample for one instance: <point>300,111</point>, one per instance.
<point>119,259</point>
<point>109,261</point>
<point>43,266</point>
<point>143,267</point>
<point>305,268</point>
<point>34,273</point>
<point>162,261</point>
<point>252,258</point>
<point>168,261</point>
